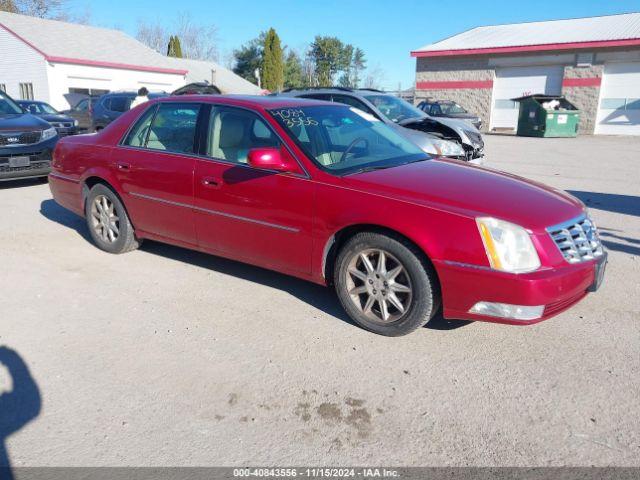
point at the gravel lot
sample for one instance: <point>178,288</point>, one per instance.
<point>169,357</point>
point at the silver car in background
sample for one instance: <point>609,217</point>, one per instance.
<point>443,136</point>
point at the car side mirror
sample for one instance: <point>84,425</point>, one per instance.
<point>278,159</point>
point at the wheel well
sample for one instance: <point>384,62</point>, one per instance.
<point>91,182</point>
<point>341,237</point>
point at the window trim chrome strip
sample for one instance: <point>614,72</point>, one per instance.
<point>215,212</point>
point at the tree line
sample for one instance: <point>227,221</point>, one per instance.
<point>327,62</point>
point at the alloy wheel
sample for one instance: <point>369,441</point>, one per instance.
<point>104,219</point>
<point>378,285</point>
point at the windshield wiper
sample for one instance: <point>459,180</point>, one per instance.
<point>371,168</point>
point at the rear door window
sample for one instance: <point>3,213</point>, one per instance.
<point>173,128</point>
<point>118,104</point>
<point>353,102</point>
<point>137,136</point>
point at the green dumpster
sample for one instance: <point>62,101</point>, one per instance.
<point>547,116</point>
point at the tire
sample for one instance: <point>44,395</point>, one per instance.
<point>103,207</point>
<point>363,294</point>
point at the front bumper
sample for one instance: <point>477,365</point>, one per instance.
<point>39,154</point>
<point>66,131</point>
<point>557,289</point>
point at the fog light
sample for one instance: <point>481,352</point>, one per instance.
<point>505,310</point>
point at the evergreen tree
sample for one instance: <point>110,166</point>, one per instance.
<point>293,71</point>
<point>272,62</point>
<point>174,49</point>
<point>248,58</point>
<point>177,47</point>
<point>358,64</point>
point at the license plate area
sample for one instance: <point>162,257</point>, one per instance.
<point>601,266</point>
<point>16,162</point>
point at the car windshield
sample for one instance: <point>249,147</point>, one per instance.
<point>38,107</point>
<point>342,140</point>
<point>8,106</point>
<point>394,108</point>
<point>451,108</point>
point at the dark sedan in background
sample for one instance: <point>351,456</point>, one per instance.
<point>26,142</point>
<point>64,124</point>
<point>449,109</point>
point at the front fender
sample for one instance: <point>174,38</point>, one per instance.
<point>438,233</point>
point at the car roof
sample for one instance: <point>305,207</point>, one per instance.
<point>255,101</point>
<point>336,90</point>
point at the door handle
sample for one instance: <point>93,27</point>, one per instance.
<point>123,166</point>
<point>211,182</point>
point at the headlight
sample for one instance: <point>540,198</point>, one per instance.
<point>75,123</point>
<point>444,148</point>
<point>48,133</point>
<point>508,246</point>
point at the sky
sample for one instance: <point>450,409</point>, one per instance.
<point>386,30</point>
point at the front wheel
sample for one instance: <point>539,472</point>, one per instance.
<point>384,284</point>
<point>108,222</point>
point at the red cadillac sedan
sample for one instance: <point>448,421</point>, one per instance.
<point>328,193</point>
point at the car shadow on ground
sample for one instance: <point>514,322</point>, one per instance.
<point>320,297</point>
<point>619,243</point>
<point>19,404</point>
<point>611,202</point>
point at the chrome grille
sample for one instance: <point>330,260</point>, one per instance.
<point>577,240</point>
<point>19,138</point>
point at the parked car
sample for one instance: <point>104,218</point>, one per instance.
<point>449,109</point>
<point>111,105</point>
<point>322,192</point>
<point>81,113</point>
<point>408,120</point>
<point>64,124</point>
<point>26,142</point>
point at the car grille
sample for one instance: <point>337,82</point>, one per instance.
<point>577,240</point>
<point>62,124</point>
<point>19,138</point>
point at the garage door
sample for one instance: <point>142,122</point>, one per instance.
<point>516,82</point>
<point>619,109</point>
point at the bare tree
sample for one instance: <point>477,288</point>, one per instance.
<point>153,36</point>
<point>198,41</point>
<point>34,8</point>
<point>375,78</point>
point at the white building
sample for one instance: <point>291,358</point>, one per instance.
<point>51,61</point>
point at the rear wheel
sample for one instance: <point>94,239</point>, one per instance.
<point>108,222</point>
<point>384,285</point>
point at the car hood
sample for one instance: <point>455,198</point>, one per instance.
<point>455,123</point>
<point>472,191</point>
<point>459,126</point>
<point>21,122</point>
<point>461,116</point>
<point>50,117</point>
<point>418,137</point>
